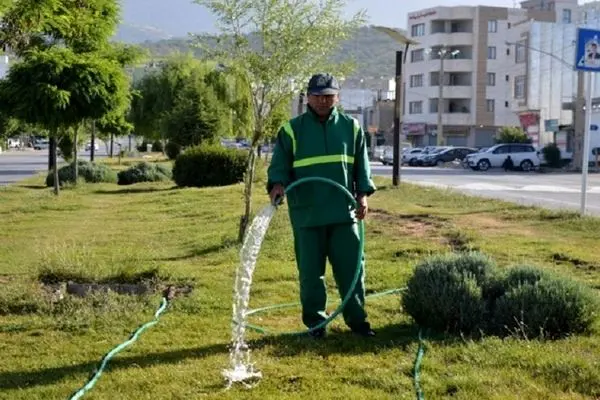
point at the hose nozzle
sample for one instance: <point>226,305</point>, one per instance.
<point>277,201</point>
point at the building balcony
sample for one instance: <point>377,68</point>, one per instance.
<point>451,39</point>
<point>456,92</point>
<point>447,119</point>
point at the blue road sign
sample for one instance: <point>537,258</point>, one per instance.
<point>593,127</point>
<point>588,50</point>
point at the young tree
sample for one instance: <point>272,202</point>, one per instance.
<point>68,72</point>
<point>274,43</point>
<point>59,89</point>
<point>512,135</point>
<point>185,101</point>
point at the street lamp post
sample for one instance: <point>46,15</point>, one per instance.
<point>400,59</point>
<point>440,107</point>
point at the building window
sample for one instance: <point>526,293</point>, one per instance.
<point>415,107</point>
<point>520,87</point>
<point>491,79</point>
<point>508,25</point>
<point>416,80</point>
<point>520,53</point>
<point>417,30</point>
<point>507,78</point>
<point>492,26</point>
<point>491,53</point>
<point>508,52</point>
<point>433,106</point>
<point>584,17</point>
<point>566,16</point>
<point>417,55</point>
<point>506,104</point>
<point>489,105</point>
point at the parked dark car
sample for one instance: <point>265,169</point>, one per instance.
<point>447,155</point>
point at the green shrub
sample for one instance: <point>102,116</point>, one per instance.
<point>551,307</point>
<point>142,148</point>
<point>209,165</point>
<point>445,293</point>
<point>66,147</point>
<point>89,172</point>
<point>551,153</point>
<point>173,150</point>
<point>144,172</point>
<point>157,146</point>
<point>464,293</point>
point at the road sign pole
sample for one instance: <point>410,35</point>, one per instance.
<point>587,58</point>
<point>586,141</point>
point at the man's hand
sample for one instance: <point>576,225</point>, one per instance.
<point>362,206</point>
<point>277,193</point>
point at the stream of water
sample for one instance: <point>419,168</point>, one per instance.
<point>241,369</point>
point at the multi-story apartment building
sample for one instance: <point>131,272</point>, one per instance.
<point>485,74</point>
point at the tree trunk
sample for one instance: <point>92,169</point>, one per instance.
<point>75,166</point>
<point>55,166</point>
<point>51,153</point>
<point>248,181</point>
<point>93,142</point>
<point>112,140</point>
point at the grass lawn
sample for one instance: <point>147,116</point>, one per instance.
<point>103,232</point>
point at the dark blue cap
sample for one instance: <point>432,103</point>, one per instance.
<point>323,84</point>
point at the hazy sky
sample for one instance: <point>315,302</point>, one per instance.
<point>178,17</point>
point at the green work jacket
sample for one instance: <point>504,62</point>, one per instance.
<point>335,149</point>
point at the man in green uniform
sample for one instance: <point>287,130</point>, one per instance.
<point>324,142</point>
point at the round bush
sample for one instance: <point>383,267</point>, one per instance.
<point>210,165</point>
<point>445,292</point>
<point>523,275</point>
<point>66,147</point>
<point>173,150</point>
<point>142,148</point>
<point>144,172</point>
<point>157,146</point>
<point>89,172</point>
<point>550,307</point>
<point>552,155</point>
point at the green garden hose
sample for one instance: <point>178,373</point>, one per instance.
<point>361,247</point>
<point>165,301</point>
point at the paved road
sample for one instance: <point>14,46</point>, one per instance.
<point>17,165</point>
<point>555,190</point>
<point>558,191</point>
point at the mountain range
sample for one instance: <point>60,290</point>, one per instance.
<point>163,26</point>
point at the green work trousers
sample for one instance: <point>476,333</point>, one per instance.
<point>340,244</point>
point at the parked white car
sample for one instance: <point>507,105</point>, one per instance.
<point>524,156</point>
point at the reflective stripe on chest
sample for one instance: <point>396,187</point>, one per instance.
<point>308,161</point>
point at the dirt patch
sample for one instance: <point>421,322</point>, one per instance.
<point>490,224</point>
<point>411,253</point>
<point>459,241</point>
<point>560,258</point>
<point>57,291</point>
<point>419,225</point>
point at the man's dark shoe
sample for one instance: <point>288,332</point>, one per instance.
<point>318,333</point>
<point>363,330</point>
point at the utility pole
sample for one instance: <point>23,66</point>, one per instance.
<point>579,121</point>
<point>399,37</point>
<point>440,106</point>
<point>397,120</point>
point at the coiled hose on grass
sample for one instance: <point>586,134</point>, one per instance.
<point>168,297</point>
